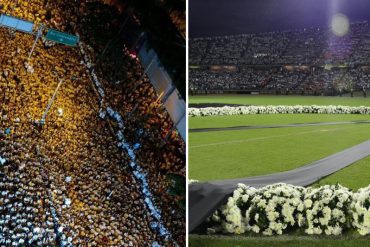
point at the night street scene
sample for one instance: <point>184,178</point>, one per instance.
<point>92,123</point>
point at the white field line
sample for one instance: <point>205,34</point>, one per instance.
<point>267,137</point>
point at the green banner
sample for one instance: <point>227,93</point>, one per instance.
<point>63,38</point>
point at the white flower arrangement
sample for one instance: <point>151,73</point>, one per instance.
<point>329,211</point>
<point>275,209</point>
<point>361,211</point>
<point>193,181</point>
<point>281,208</point>
<point>231,218</point>
<point>277,109</point>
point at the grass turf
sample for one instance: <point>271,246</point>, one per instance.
<point>244,153</point>
<point>354,176</point>
<point>264,151</point>
<point>279,100</point>
<point>277,241</point>
<point>272,119</point>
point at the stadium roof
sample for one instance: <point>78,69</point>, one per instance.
<point>224,17</point>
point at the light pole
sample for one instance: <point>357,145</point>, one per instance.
<point>38,35</point>
<point>51,101</point>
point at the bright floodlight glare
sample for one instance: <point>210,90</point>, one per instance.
<point>340,25</point>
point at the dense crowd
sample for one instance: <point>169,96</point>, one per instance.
<point>282,80</point>
<point>67,182</point>
<point>309,60</point>
<point>307,46</point>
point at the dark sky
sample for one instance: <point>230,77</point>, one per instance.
<point>225,17</point>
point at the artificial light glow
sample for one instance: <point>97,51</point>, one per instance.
<point>340,25</point>
<point>133,54</point>
<point>60,112</point>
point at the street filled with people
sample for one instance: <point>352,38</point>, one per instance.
<point>65,180</point>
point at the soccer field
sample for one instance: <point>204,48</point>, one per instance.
<point>226,154</point>
<point>279,100</point>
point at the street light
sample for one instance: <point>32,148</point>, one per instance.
<point>38,36</point>
<point>60,112</point>
<point>51,101</point>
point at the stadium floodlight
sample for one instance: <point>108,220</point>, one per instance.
<point>15,23</point>
<point>340,25</point>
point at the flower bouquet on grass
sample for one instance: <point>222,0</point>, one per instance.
<point>328,210</point>
<point>361,211</point>
<point>286,209</point>
<point>276,209</point>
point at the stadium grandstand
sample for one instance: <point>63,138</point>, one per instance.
<point>309,61</point>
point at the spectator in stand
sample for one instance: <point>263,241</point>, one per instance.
<point>317,61</point>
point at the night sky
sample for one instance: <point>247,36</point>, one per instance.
<point>226,17</point>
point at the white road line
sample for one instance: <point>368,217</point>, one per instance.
<point>267,137</point>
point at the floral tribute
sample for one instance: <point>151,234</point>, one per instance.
<point>277,109</point>
<point>361,211</point>
<point>282,208</point>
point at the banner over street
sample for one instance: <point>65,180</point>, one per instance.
<point>15,23</point>
<point>63,38</point>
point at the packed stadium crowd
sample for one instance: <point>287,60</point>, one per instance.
<point>307,60</point>
<point>66,182</point>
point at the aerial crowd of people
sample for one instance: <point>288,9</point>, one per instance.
<point>311,60</point>
<point>66,182</point>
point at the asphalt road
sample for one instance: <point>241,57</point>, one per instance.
<point>205,198</point>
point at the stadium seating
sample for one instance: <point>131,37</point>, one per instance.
<point>311,60</point>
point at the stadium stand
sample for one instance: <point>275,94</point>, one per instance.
<point>308,61</point>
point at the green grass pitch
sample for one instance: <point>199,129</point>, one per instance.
<point>279,100</point>
<point>243,153</point>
